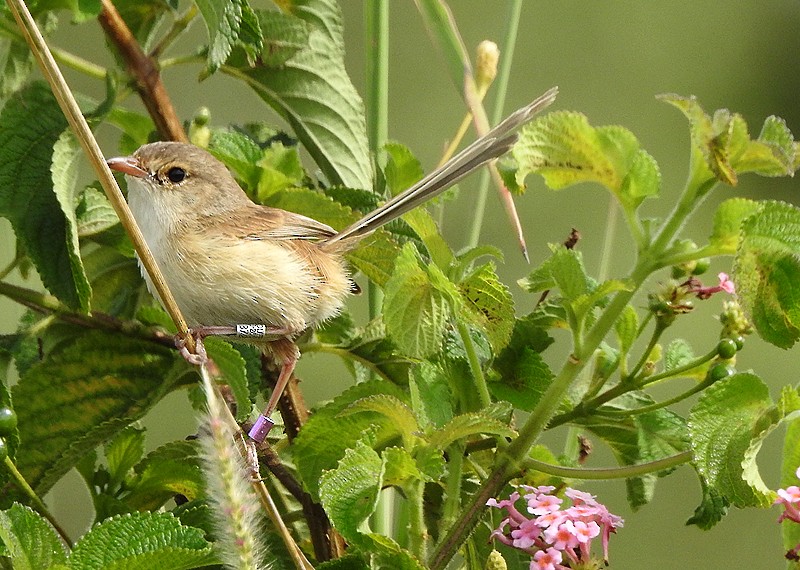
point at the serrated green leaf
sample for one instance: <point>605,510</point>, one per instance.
<point>104,382</point>
<point>626,328</point>
<point>312,204</point>
<point>240,153</point>
<point>724,146</point>
<point>280,168</point>
<point>430,394</point>
<point>312,91</point>
<point>425,227</point>
<point>325,437</point>
<point>30,125</point>
<point>678,353</point>
<point>30,542</point>
<point>563,269</point>
<point>710,511</point>
<point>234,373</point>
<point>283,36</point>
<point>116,282</point>
<point>94,213</point>
<point>123,452</point>
<point>172,469</point>
<point>415,309</point>
<point>727,426</point>
<point>141,541</point>
<point>767,272</point>
<point>565,149</point>
<point>376,256</point>
<point>396,412</point>
<point>402,168</point>
<point>399,467</point>
<point>488,304</point>
<point>349,493</point>
<point>467,425</point>
<point>597,295</point>
<point>789,465</point>
<point>524,379</point>
<point>223,19</point>
<point>728,223</point>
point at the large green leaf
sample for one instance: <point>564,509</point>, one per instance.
<point>488,303</point>
<point>223,20</point>
<point>767,272</point>
<point>40,211</point>
<point>139,541</point>
<point>312,91</point>
<point>727,427</point>
<point>29,541</point>
<point>81,396</point>
<point>565,149</point>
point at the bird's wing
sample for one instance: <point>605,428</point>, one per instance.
<point>264,223</point>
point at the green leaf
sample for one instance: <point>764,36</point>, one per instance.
<point>240,153</point>
<point>232,368</point>
<point>728,223</point>
<point>722,147</point>
<point>398,414</point>
<point>626,328</point>
<point>415,308</point>
<point>563,269</point>
<point>123,452</point>
<point>525,377</point>
<point>789,466</point>
<point>172,469</point>
<point>402,168</point>
<point>767,272</point>
<point>678,353</point>
<point>142,540</point>
<point>284,36</point>
<point>489,305</point>
<point>313,93</point>
<point>43,219</point>
<point>727,426</point>
<point>312,204</point>
<point>94,213</point>
<point>349,493</point>
<point>223,19</point>
<point>710,511</point>
<point>104,382</point>
<point>400,467</point>
<point>565,149</point>
<point>430,394</point>
<point>376,256</point>
<point>30,542</point>
<point>325,437</point>
<point>467,425</point>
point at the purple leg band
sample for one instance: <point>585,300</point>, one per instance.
<point>260,429</point>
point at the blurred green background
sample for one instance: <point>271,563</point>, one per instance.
<point>609,60</point>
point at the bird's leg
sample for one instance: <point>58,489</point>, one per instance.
<point>238,331</point>
<point>264,422</point>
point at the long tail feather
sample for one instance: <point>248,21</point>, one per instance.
<point>490,146</point>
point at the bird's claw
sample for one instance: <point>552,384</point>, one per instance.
<point>200,356</point>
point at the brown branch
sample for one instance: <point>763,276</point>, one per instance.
<point>145,73</point>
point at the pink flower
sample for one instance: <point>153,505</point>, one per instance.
<point>546,560</point>
<point>789,498</point>
<point>726,284</point>
<point>542,504</point>
<point>562,536</point>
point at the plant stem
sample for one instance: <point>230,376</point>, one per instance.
<point>38,504</point>
<point>474,364</point>
<point>178,27</point>
<point>605,473</point>
<point>377,31</point>
<point>501,87</point>
<point>452,500</point>
<point>417,531</point>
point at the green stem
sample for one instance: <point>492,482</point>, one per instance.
<point>654,338</point>
<point>377,101</point>
<point>588,407</point>
<point>474,364</point>
<point>178,27</point>
<point>501,87</point>
<point>605,473</point>
<point>452,501</point>
<point>38,504</point>
<point>417,531</point>
<point>658,405</point>
<point>78,63</point>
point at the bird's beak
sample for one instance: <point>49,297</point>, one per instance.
<point>128,165</point>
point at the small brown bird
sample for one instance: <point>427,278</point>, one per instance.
<point>237,268</point>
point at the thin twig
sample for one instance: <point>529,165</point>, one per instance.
<point>145,72</point>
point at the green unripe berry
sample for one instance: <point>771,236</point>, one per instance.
<point>739,340</point>
<point>701,266</point>
<point>8,421</point>
<point>727,348</point>
<point>720,371</point>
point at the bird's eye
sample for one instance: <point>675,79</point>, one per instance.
<point>176,174</point>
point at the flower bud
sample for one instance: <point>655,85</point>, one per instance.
<point>199,133</point>
<point>495,561</point>
<point>486,63</point>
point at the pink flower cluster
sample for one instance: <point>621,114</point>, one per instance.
<point>790,499</point>
<point>725,284</point>
<point>556,538</point>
